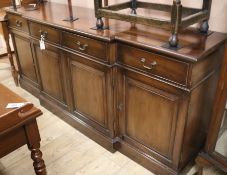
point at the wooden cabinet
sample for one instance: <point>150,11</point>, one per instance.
<point>151,111</point>
<point>25,56</point>
<point>121,87</point>
<point>51,76</point>
<point>24,53</point>
<point>91,92</point>
<point>150,116</point>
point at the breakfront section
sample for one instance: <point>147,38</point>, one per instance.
<point>163,107</point>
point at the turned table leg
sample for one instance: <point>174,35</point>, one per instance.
<point>33,142</point>
<point>38,162</point>
<point>9,52</point>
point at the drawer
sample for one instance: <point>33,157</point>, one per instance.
<point>85,45</point>
<point>154,64</point>
<point>18,22</point>
<point>50,34</point>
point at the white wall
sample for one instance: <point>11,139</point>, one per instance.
<point>218,20</point>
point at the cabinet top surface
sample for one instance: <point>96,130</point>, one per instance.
<point>194,46</point>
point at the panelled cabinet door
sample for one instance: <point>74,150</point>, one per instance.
<point>50,71</point>
<point>148,117</point>
<point>91,92</point>
<point>26,61</point>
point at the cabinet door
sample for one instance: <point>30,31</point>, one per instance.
<point>50,71</point>
<point>90,88</point>
<point>25,57</point>
<point>147,116</point>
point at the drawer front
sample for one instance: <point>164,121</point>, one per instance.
<point>50,34</point>
<point>18,22</point>
<point>153,64</point>
<point>85,45</point>
<point>35,29</point>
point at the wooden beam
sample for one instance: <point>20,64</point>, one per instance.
<point>135,19</point>
<point>119,6</point>
<point>97,5</point>
<point>106,2</point>
<point>165,7</point>
<point>134,4</point>
<point>207,6</point>
<point>195,18</point>
<point>148,5</point>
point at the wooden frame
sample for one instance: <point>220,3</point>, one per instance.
<point>181,17</point>
<point>209,156</point>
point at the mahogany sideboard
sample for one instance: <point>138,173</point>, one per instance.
<point>121,87</point>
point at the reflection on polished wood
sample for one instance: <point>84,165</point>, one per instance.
<point>120,87</point>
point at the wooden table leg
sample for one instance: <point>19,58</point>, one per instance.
<point>38,162</point>
<point>9,52</point>
<point>33,142</point>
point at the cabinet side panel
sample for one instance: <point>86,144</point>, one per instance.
<point>199,113</point>
<point>206,66</point>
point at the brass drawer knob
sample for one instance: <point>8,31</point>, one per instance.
<point>148,67</point>
<point>81,47</point>
<point>18,23</point>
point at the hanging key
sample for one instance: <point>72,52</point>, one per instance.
<point>42,43</point>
